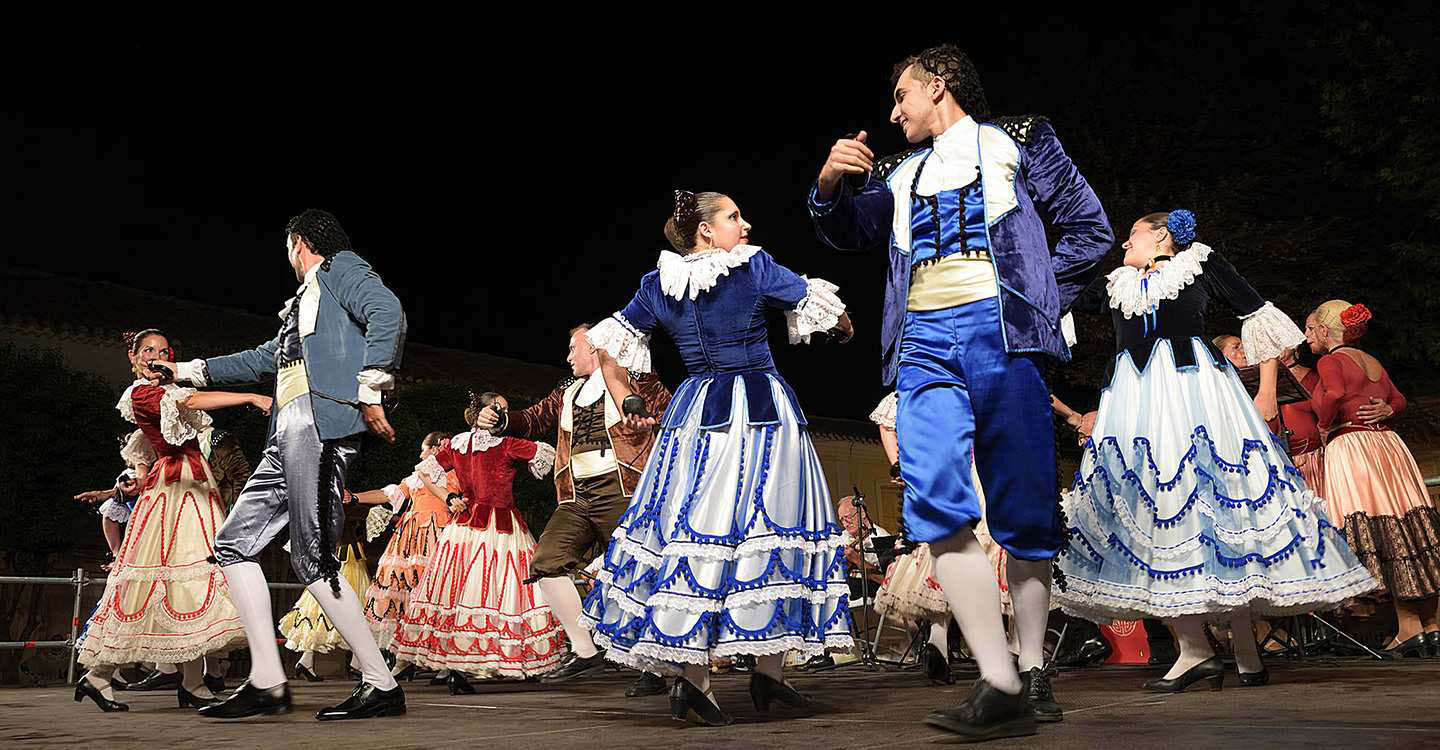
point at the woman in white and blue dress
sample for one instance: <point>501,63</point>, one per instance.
<point>730,544</point>
<point>1185,507</point>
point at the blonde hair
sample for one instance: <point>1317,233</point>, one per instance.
<point>1328,314</point>
<point>1222,340</point>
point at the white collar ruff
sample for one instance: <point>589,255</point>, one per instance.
<point>480,440</point>
<point>682,275</point>
<point>593,389</point>
<point>1134,293</point>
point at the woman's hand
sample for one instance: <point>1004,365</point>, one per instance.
<point>95,496</point>
<point>1374,412</point>
<point>263,403</point>
<point>456,502</point>
<point>1086,426</point>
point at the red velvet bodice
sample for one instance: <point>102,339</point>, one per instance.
<point>145,403</point>
<point>487,479</point>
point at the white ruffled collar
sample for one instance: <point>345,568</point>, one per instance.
<point>480,440</point>
<point>126,404</point>
<point>682,275</point>
<point>1135,293</point>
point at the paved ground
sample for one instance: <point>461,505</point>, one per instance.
<point>1335,704</point>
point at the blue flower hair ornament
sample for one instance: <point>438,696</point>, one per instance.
<point>1182,226</point>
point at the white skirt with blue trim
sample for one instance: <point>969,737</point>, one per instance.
<point>1186,504</point>
<point>730,546</point>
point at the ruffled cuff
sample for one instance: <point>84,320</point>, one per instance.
<point>193,371</point>
<point>395,495</point>
<point>1267,333</point>
<point>432,470</point>
<point>818,312</point>
<point>178,424</point>
<point>377,521</point>
<point>625,342</point>
<point>543,461</point>
<point>115,511</point>
<point>373,384</point>
<point>137,450</point>
<point>1067,330</point>
<point>884,414</point>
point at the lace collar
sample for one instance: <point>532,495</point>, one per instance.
<point>697,272</point>
<point>1134,293</point>
<point>126,406</point>
<point>480,440</point>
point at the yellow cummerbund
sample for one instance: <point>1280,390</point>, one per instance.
<point>952,281</point>
<point>291,383</point>
<point>592,463</point>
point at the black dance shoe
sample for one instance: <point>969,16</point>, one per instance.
<point>937,665</point>
<point>818,663</point>
<point>251,701</point>
<point>367,702</point>
<point>764,689</point>
<point>1036,686</point>
<point>408,673</point>
<point>1255,679</point>
<point>187,699</point>
<point>1090,651</point>
<point>646,684</point>
<point>304,673</point>
<point>687,703</point>
<point>1432,639</point>
<point>1416,647</point>
<point>157,681</point>
<point>215,683</point>
<point>988,714</point>
<point>437,680</point>
<point>576,668</point>
<point>1211,669</point>
<point>83,690</point>
<point>459,685</point>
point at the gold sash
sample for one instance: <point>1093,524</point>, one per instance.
<point>592,463</point>
<point>291,383</point>
<point>952,281</point>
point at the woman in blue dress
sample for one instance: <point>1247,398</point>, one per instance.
<point>1185,506</point>
<point>730,544</point>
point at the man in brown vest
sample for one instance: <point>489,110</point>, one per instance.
<point>600,453</point>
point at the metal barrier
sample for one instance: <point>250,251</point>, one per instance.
<point>80,579</point>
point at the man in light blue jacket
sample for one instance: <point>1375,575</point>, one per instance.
<point>338,348</point>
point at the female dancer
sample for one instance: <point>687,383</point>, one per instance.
<point>730,545</point>
<point>1185,507</point>
<point>164,600</point>
<point>1372,482</point>
<point>472,611</point>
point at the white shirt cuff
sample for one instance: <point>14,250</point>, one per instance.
<point>373,383</point>
<point>193,371</point>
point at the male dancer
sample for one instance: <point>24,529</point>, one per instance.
<point>599,455</point>
<point>976,293</point>
<point>338,347</point>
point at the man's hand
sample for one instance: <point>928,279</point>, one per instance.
<point>163,373</point>
<point>375,420</point>
<point>266,403</point>
<point>1267,405</point>
<point>639,423</point>
<point>1087,426</point>
<point>847,156</point>
<point>844,330</point>
<point>457,504</point>
<point>130,486</point>
<point>1374,412</point>
<point>487,419</point>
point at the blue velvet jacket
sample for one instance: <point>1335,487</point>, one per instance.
<point>1027,178</point>
<point>359,325</point>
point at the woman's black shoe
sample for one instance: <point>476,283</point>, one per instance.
<point>687,703</point>
<point>764,689</point>
<point>1211,669</point>
<point>988,714</point>
<point>83,690</point>
<point>1432,639</point>
<point>250,701</point>
<point>1091,651</point>
<point>437,680</point>
<point>157,681</point>
<point>187,699</point>
<point>304,673</point>
<point>1413,648</point>
<point>646,684</point>
<point>1255,679</point>
<point>215,683</point>
<point>408,673</point>
<point>576,667</point>
<point>937,666</point>
<point>459,685</point>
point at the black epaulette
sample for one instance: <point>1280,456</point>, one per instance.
<point>1019,127</point>
<point>566,383</point>
<point>886,165</point>
<point>218,436</point>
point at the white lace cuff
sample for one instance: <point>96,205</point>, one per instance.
<point>193,371</point>
<point>372,385</point>
<point>1067,329</point>
<point>115,511</point>
<point>432,470</point>
<point>177,423</point>
<point>543,461</point>
<point>1267,332</point>
<point>376,521</point>
<point>884,414</point>
<point>137,450</point>
<point>395,495</point>
<point>818,312</point>
<point>625,342</point>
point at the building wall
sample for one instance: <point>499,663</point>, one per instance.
<point>851,464</point>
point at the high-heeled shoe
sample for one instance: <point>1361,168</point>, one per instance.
<point>304,673</point>
<point>407,674</point>
<point>459,685</point>
<point>764,689</point>
<point>937,666</point>
<point>1212,669</point>
<point>187,699</point>
<point>1255,679</point>
<point>83,690</point>
<point>1415,647</point>
<point>688,703</point>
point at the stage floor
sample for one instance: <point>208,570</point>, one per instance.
<point>1333,704</point>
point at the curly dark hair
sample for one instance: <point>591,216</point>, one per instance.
<point>320,230</point>
<point>953,67</point>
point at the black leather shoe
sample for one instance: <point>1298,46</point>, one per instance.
<point>215,683</point>
<point>1091,651</point>
<point>1416,647</point>
<point>576,668</point>
<point>764,689</point>
<point>251,701</point>
<point>937,666</point>
<point>83,690</point>
<point>187,699</point>
<point>1036,686</point>
<point>1255,679</point>
<point>988,714</point>
<point>818,663</point>
<point>304,673</point>
<point>459,685</point>
<point>156,681</point>
<point>367,702</point>
<point>1211,669</point>
<point>1432,639</point>
<point>646,684</point>
<point>437,680</point>
<point>687,703</point>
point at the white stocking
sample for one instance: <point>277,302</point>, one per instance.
<point>345,613</point>
<point>252,601</point>
<point>564,600</point>
<point>307,660</point>
<point>940,637</point>
<point>964,572</point>
<point>1030,594</point>
<point>1194,646</point>
<point>99,676</point>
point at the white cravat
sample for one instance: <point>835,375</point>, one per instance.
<point>593,389</point>
<point>955,160</point>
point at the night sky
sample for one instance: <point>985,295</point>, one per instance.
<point>510,184</point>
